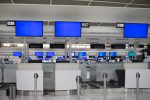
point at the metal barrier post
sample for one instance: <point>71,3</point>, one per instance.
<point>35,86</point>
<point>10,93</point>
<point>13,91</point>
<point>78,87</point>
<point>137,85</point>
<point>105,81</point>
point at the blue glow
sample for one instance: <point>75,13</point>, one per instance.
<point>59,58</point>
<point>67,29</point>
<point>81,54</point>
<point>84,58</point>
<point>17,54</point>
<point>95,58</point>
<point>102,54</point>
<point>40,58</point>
<point>112,54</point>
<point>39,54</point>
<point>47,58</point>
<point>133,30</point>
<point>51,54</point>
<point>29,28</point>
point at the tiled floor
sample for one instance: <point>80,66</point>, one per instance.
<point>87,97</point>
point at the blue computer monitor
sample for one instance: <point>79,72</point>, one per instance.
<point>135,30</point>
<point>29,28</point>
<point>95,58</point>
<point>112,54</point>
<point>81,54</point>
<point>102,54</point>
<point>40,58</point>
<point>39,54</point>
<point>67,29</point>
<point>59,58</point>
<point>17,54</point>
<point>47,58</point>
<point>51,54</point>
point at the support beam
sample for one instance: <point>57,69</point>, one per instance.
<point>74,13</point>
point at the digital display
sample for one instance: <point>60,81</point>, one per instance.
<point>81,54</point>
<point>39,54</point>
<point>135,30</point>
<point>102,54</point>
<point>40,58</point>
<point>131,53</point>
<point>59,58</point>
<point>67,29</point>
<point>112,54</point>
<point>17,54</point>
<point>47,58</point>
<point>51,54</point>
<point>29,28</point>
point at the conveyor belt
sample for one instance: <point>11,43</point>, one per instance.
<point>94,84</point>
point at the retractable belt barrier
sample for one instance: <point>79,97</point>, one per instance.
<point>137,85</point>
<point>105,81</point>
<point>35,85</point>
<point>12,92</point>
<point>78,80</point>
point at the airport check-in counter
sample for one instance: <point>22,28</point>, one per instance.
<point>65,76</point>
<point>9,73</point>
<point>25,76</point>
<point>130,75</point>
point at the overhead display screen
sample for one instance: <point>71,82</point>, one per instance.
<point>82,54</point>
<point>17,54</point>
<point>102,54</point>
<point>29,28</point>
<point>67,29</point>
<point>112,54</point>
<point>135,30</point>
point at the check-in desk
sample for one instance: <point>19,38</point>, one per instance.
<point>130,75</point>
<point>65,76</point>
<point>25,76</point>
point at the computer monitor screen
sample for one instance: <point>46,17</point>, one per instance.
<point>102,54</point>
<point>39,54</point>
<point>131,53</point>
<point>81,54</point>
<point>135,30</point>
<point>51,54</point>
<point>29,28</point>
<point>112,54</point>
<point>17,54</point>
<point>67,29</point>
<point>59,58</point>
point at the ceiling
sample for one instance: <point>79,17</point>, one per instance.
<point>111,3</point>
<point>94,39</point>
